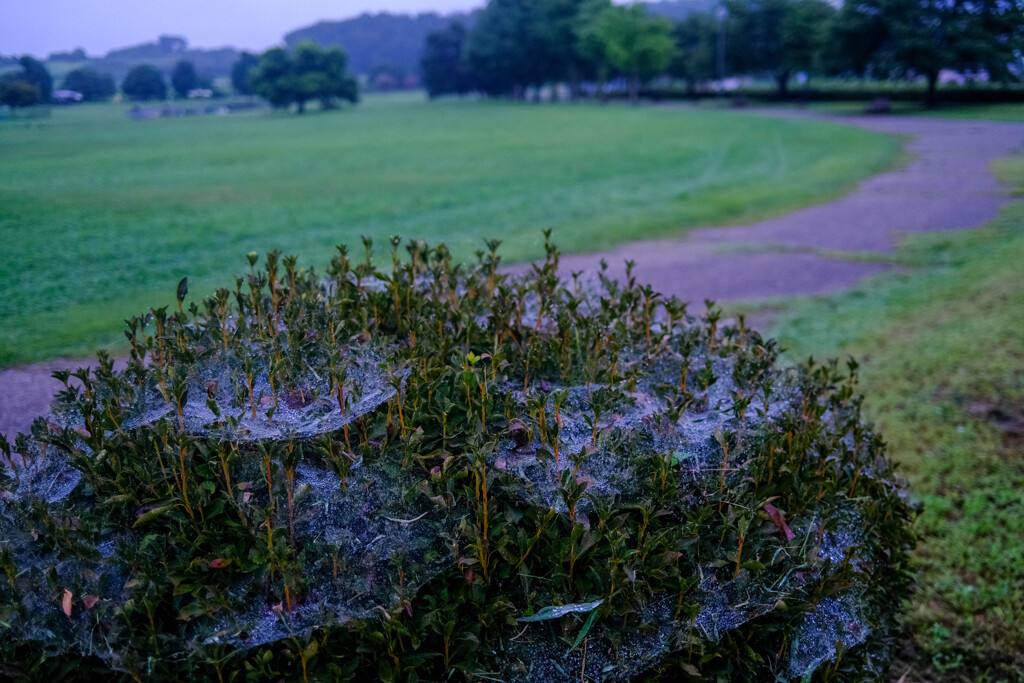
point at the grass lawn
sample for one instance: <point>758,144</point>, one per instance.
<point>100,216</point>
<point>942,351</point>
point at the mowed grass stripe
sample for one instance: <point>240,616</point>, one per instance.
<point>100,215</point>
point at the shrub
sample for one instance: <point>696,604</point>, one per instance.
<point>144,82</point>
<point>93,85</point>
<point>434,471</point>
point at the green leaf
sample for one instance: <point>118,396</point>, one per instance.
<point>153,514</point>
<point>583,631</point>
<point>558,611</point>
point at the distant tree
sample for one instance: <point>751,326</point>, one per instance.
<point>184,78</point>
<point>777,37</point>
<point>18,93</point>
<point>322,76</point>
<point>144,82</point>
<point>240,73</point>
<point>311,73</point>
<point>76,55</point>
<point>93,85</point>
<point>635,44</point>
<point>443,66</point>
<point>695,55</point>
<point>34,72</point>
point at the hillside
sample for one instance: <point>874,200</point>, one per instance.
<point>375,40</point>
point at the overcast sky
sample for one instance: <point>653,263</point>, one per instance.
<point>39,27</point>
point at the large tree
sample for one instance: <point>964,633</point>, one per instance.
<point>184,78</point>
<point>855,38</point>
<point>443,66</point>
<point>636,44</point>
<point>93,85</point>
<point>777,37</point>
<point>311,73</point>
<point>927,36</point>
<point>504,49</point>
<point>144,82</point>
<point>695,54</point>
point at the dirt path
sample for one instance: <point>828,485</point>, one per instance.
<point>948,185</point>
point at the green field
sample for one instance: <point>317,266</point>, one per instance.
<point>100,216</point>
<point>943,372</point>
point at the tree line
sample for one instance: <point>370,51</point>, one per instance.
<point>518,45</point>
<point>282,77</point>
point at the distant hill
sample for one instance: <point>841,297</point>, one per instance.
<point>163,53</point>
<point>376,40</point>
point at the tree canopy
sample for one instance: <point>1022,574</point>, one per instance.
<point>184,78</point>
<point>93,85</point>
<point>144,82</point>
<point>635,44</point>
<point>30,86</point>
<point>309,73</point>
<point>519,46</point>
<point>443,65</point>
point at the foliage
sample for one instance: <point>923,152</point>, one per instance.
<point>144,82</point>
<point>34,72</point>
<point>451,172</point>
<point>505,51</point>
<point>93,85</point>
<point>777,36</point>
<point>15,92</point>
<point>944,373</point>
<point>935,34</point>
<point>240,73</point>
<point>310,73</point>
<point>382,472</point>
<point>443,65</point>
<point>695,55</point>
<point>633,43</point>
<point>29,86</point>
<point>184,78</point>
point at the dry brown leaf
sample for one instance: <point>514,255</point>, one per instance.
<point>66,604</point>
<point>779,520</point>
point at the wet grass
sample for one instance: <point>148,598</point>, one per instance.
<point>943,370</point>
<point>98,212</point>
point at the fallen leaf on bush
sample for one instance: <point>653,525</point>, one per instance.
<point>66,604</point>
<point>778,519</point>
<point>90,601</point>
<point>219,563</point>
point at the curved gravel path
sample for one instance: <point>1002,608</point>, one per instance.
<point>947,185</point>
